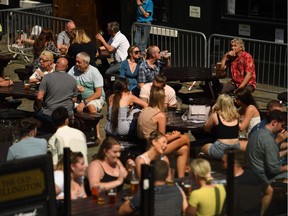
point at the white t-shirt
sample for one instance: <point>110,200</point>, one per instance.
<point>59,181</point>
<point>170,95</point>
<point>121,44</point>
<point>37,76</point>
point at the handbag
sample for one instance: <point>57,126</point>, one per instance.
<point>198,112</point>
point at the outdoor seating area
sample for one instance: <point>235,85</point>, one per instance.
<point>117,128</point>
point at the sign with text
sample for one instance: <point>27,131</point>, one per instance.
<point>27,187</point>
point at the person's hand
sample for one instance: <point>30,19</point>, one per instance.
<point>138,2</point>
<point>6,83</point>
<point>80,88</point>
<point>166,54</point>
<point>130,165</point>
<point>40,73</point>
<point>99,37</point>
<point>176,133</point>
<point>120,177</point>
<point>281,136</point>
<point>231,53</point>
<point>80,107</point>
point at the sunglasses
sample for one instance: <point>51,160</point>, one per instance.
<point>137,52</point>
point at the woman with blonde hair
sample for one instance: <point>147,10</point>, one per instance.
<point>203,201</point>
<point>153,118</point>
<point>224,123</point>
<point>81,43</point>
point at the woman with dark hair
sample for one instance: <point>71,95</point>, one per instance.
<point>153,118</point>
<point>82,43</point>
<point>106,170</point>
<point>120,112</point>
<point>129,69</point>
<point>249,111</point>
<point>45,41</point>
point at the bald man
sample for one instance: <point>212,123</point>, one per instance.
<point>59,90</point>
<point>63,38</point>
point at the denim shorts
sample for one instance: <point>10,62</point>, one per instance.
<point>217,149</point>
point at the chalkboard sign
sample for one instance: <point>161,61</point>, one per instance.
<point>27,187</point>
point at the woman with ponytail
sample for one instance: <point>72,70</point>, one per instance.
<point>120,110</point>
<point>209,198</point>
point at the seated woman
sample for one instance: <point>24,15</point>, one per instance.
<point>224,123</point>
<point>202,201</point>
<point>106,170</point>
<point>156,146</point>
<point>81,43</point>
<point>120,115</point>
<point>47,66</point>
<point>153,118</point>
<point>129,69</point>
<point>78,169</point>
<point>249,113</point>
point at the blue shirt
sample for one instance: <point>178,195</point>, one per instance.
<point>146,73</point>
<point>125,72</point>
<point>148,7</point>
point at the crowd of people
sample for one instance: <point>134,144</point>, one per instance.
<point>137,108</point>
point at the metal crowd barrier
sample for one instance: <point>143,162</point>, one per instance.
<point>270,58</point>
<point>44,9</point>
<point>20,24</point>
<point>188,48</point>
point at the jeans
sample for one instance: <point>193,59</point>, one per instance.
<point>141,36</point>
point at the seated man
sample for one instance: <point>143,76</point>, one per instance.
<point>47,65</point>
<point>159,81</point>
<point>118,44</point>
<point>252,195</point>
<point>64,37</point>
<point>241,65</point>
<point>90,86</point>
<point>169,200</point>
<point>262,152</point>
<point>56,89</point>
<point>28,146</point>
<point>65,136</point>
<point>152,65</point>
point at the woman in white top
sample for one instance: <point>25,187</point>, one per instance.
<point>249,112</point>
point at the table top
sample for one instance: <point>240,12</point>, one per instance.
<point>88,206</point>
<point>175,122</point>
<point>17,91</point>
<point>186,74</point>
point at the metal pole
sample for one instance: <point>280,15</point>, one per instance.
<point>230,183</point>
<point>147,190</point>
<point>67,182</point>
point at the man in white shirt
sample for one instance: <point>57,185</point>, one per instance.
<point>159,81</point>
<point>65,136</point>
<point>118,44</point>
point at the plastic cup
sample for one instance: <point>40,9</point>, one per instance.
<point>134,184</point>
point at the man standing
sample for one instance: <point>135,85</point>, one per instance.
<point>56,89</point>
<point>65,136</point>
<point>159,81</point>
<point>90,86</point>
<point>63,38</point>
<point>117,44</point>
<point>152,65</point>
<point>241,65</point>
<point>144,15</point>
<point>262,152</point>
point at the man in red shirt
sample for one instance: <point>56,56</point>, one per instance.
<point>241,65</point>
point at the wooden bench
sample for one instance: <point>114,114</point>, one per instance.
<point>190,74</point>
<point>85,122</point>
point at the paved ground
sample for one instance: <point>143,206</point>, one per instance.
<point>261,97</point>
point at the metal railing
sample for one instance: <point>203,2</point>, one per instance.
<point>188,48</point>
<point>19,25</point>
<point>270,57</point>
<point>44,9</point>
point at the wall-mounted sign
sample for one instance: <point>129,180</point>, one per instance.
<point>279,35</point>
<point>194,11</point>
<point>244,29</point>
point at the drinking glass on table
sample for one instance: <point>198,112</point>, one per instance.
<point>26,85</point>
<point>112,196</point>
<point>134,183</point>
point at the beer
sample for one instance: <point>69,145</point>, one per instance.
<point>112,196</point>
<point>134,186</point>
<point>26,87</point>
<point>95,192</point>
<point>187,189</point>
<point>100,200</point>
